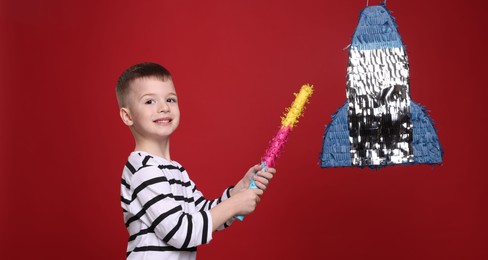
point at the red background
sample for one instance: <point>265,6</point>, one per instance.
<point>235,66</point>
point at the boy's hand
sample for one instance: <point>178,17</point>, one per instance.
<point>245,201</point>
<point>261,179</point>
<point>240,203</point>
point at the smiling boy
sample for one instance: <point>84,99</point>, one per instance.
<point>166,216</point>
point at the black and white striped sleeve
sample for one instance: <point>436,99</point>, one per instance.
<point>161,211</point>
<point>203,204</point>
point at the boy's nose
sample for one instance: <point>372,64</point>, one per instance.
<point>164,107</point>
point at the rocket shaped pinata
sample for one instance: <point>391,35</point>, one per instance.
<point>379,125</point>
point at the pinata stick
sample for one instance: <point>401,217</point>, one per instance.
<point>287,123</point>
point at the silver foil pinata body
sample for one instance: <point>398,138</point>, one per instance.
<point>379,125</point>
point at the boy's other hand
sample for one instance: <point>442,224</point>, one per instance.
<point>261,179</point>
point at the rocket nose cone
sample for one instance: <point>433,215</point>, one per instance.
<point>376,29</point>
<point>375,11</point>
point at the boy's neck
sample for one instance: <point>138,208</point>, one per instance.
<point>160,149</point>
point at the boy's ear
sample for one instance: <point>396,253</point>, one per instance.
<point>126,117</point>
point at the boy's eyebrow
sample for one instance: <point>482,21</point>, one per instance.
<point>154,94</point>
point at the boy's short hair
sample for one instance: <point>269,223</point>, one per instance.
<point>141,70</point>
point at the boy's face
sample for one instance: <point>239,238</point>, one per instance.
<point>152,110</point>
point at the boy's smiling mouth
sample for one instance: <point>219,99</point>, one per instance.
<point>164,120</point>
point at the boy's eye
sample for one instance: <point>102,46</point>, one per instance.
<point>150,101</point>
<point>171,100</point>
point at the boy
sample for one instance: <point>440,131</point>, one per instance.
<point>165,214</point>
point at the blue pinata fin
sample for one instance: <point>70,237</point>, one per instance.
<point>336,147</point>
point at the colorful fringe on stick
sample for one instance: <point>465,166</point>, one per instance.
<point>287,123</point>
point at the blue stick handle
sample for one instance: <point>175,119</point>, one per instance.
<point>252,185</point>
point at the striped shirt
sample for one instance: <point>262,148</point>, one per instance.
<point>165,214</point>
